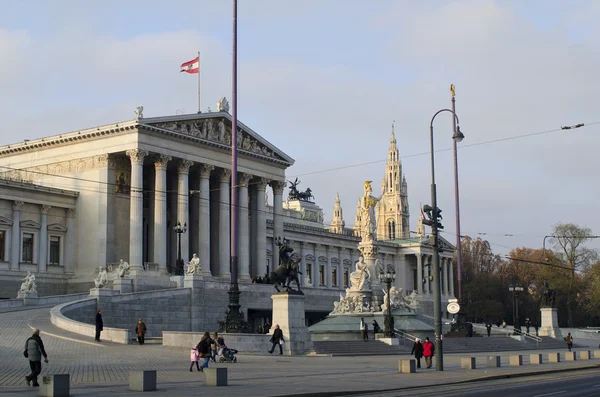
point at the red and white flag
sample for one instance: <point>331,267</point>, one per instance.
<point>191,66</point>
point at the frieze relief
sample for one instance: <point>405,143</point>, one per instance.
<point>217,131</point>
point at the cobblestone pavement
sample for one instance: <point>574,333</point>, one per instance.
<point>98,369</point>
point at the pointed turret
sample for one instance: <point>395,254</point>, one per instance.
<point>337,223</point>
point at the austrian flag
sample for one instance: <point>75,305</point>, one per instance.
<point>191,66</point>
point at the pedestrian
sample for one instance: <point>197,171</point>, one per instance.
<point>527,324</point>
<point>194,356</point>
<point>277,340</point>
<point>503,323</point>
<point>498,323</point>
<point>376,328</point>
<point>34,350</point>
<point>140,330</point>
<point>569,340</point>
<point>417,350</point>
<point>214,348</point>
<point>489,329</point>
<point>537,329</point>
<point>259,330</point>
<point>428,351</point>
<point>363,330</point>
<point>99,325</point>
<point>203,348</point>
<point>266,327</point>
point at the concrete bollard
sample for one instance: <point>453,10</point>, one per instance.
<point>571,356</point>
<point>584,355</point>
<point>516,360</point>
<point>407,366</point>
<point>215,376</point>
<point>468,363</point>
<point>553,357</point>
<point>142,381</point>
<point>535,358</point>
<point>493,362</point>
<point>596,353</point>
<point>55,386</point>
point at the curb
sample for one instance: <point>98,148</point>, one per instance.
<point>33,328</point>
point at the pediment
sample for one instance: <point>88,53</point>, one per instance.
<point>30,224</point>
<point>56,227</point>
<point>322,259</point>
<point>215,129</point>
<point>5,221</point>
<point>347,262</point>
<point>309,257</point>
<point>269,252</point>
<point>335,261</point>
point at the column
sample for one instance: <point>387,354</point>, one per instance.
<point>224,223</point>
<point>243,227</point>
<point>136,208</point>
<point>328,249</point>
<point>451,270</point>
<point>183,205</point>
<point>43,244</point>
<point>15,247</point>
<point>277,217</point>
<point>261,228</point>
<point>204,214</point>
<point>340,270</point>
<point>445,275</point>
<point>160,213</point>
<point>70,242</point>
<point>302,262</point>
<point>419,274</point>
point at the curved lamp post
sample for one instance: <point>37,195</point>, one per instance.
<point>388,278</point>
<point>179,264</point>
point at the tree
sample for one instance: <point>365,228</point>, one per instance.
<point>568,239</point>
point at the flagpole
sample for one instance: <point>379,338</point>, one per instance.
<point>199,109</point>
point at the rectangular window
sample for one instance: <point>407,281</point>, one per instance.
<point>346,278</point>
<point>2,245</point>
<point>309,271</point>
<point>334,277</point>
<point>321,275</point>
<point>54,250</point>
<point>27,247</point>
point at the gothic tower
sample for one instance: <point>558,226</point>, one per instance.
<point>337,223</point>
<point>392,210</point>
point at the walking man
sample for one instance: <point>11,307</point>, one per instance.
<point>277,339</point>
<point>363,330</point>
<point>99,325</point>
<point>140,330</point>
<point>428,351</point>
<point>34,350</point>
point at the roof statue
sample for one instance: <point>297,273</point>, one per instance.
<point>139,112</point>
<point>223,105</point>
<point>294,194</point>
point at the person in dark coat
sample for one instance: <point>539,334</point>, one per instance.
<point>204,350</point>
<point>417,350</point>
<point>376,328</point>
<point>34,350</point>
<point>140,330</point>
<point>277,339</point>
<point>99,325</point>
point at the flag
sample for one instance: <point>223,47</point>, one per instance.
<point>191,66</point>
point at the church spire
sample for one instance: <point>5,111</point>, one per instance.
<point>337,223</point>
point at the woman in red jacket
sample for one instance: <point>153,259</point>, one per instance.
<point>428,351</point>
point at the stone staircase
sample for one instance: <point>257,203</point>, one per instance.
<point>451,345</point>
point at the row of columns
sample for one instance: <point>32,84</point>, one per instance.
<point>424,269</point>
<point>42,253</point>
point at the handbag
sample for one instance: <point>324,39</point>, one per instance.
<point>281,341</point>
<point>26,354</point>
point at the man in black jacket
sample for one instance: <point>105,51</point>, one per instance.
<point>99,325</point>
<point>34,349</point>
<point>277,339</point>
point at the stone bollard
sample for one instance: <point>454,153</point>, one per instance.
<point>407,366</point>
<point>571,356</point>
<point>584,355</point>
<point>493,362</point>
<point>215,376</point>
<point>516,360</point>
<point>468,363</point>
<point>596,353</point>
<point>535,358</point>
<point>142,381</point>
<point>553,357</point>
<point>55,386</point>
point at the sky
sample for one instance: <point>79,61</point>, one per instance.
<point>324,80</point>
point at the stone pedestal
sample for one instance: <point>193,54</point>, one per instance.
<point>369,252</point>
<point>142,381</point>
<point>215,376</point>
<point>193,281</point>
<point>494,362</point>
<point>102,295</point>
<point>550,323</point>
<point>55,386</point>
<point>178,280</point>
<point>27,294</point>
<point>407,366</point>
<point>123,285</point>
<point>288,312</point>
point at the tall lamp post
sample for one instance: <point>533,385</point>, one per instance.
<point>434,214</point>
<point>179,264</point>
<point>515,293</point>
<point>388,278</point>
<point>458,137</point>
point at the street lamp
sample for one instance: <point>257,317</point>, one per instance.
<point>179,263</point>
<point>388,278</point>
<point>515,292</point>
<point>456,138</point>
<point>434,214</point>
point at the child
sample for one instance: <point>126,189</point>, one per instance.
<point>194,356</point>
<point>213,348</point>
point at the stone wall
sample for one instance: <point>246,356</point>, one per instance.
<point>83,311</point>
<point>47,284</point>
<point>244,343</point>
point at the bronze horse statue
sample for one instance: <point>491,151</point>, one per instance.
<point>549,295</point>
<point>286,272</point>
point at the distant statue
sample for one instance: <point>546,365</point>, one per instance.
<point>139,112</point>
<point>223,105</point>
<point>360,279</point>
<point>293,194</point>
<point>396,299</point>
<point>549,295</point>
<point>367,213</point>
<point>307,283</point>
<point>102,280</point>
<point>122,269</point>
<point>28,284</point>
<point>288,269</point>
<point>193,266</point>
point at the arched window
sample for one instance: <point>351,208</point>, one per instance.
<point>391,230</point>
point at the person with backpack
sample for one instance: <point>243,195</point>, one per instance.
<point>34,350</point>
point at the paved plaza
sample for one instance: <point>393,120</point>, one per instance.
<point>98,369</point>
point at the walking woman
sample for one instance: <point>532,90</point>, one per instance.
<point>417,350</point>
<point>277,340</point>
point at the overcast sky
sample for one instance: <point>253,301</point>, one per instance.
<point>323,81</point>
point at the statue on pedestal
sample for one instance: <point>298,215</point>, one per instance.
<point>360,279</point>
<point>28,284</point>
<point>549,295</point>
<point>288,269</point>
<point>307,283</point>
<point>193,266</point>
<point>102,280</point>
<point>122,269</point>
<point>367,213</point>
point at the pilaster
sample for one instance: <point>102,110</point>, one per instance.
<point>244,227</point>
<point>136,212</point>
<point>43,244</point>
<point>204,215</point>
<point>70,241</point>
<point>160,212</point>
<point>15,249</point>
<point>261,227</point>
<point>183,205</point>
<point>224,223</point>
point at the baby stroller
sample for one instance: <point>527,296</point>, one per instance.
<point>228,355</point>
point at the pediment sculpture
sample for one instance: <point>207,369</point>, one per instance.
<point>351,304</point>
<point>28,284</point>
